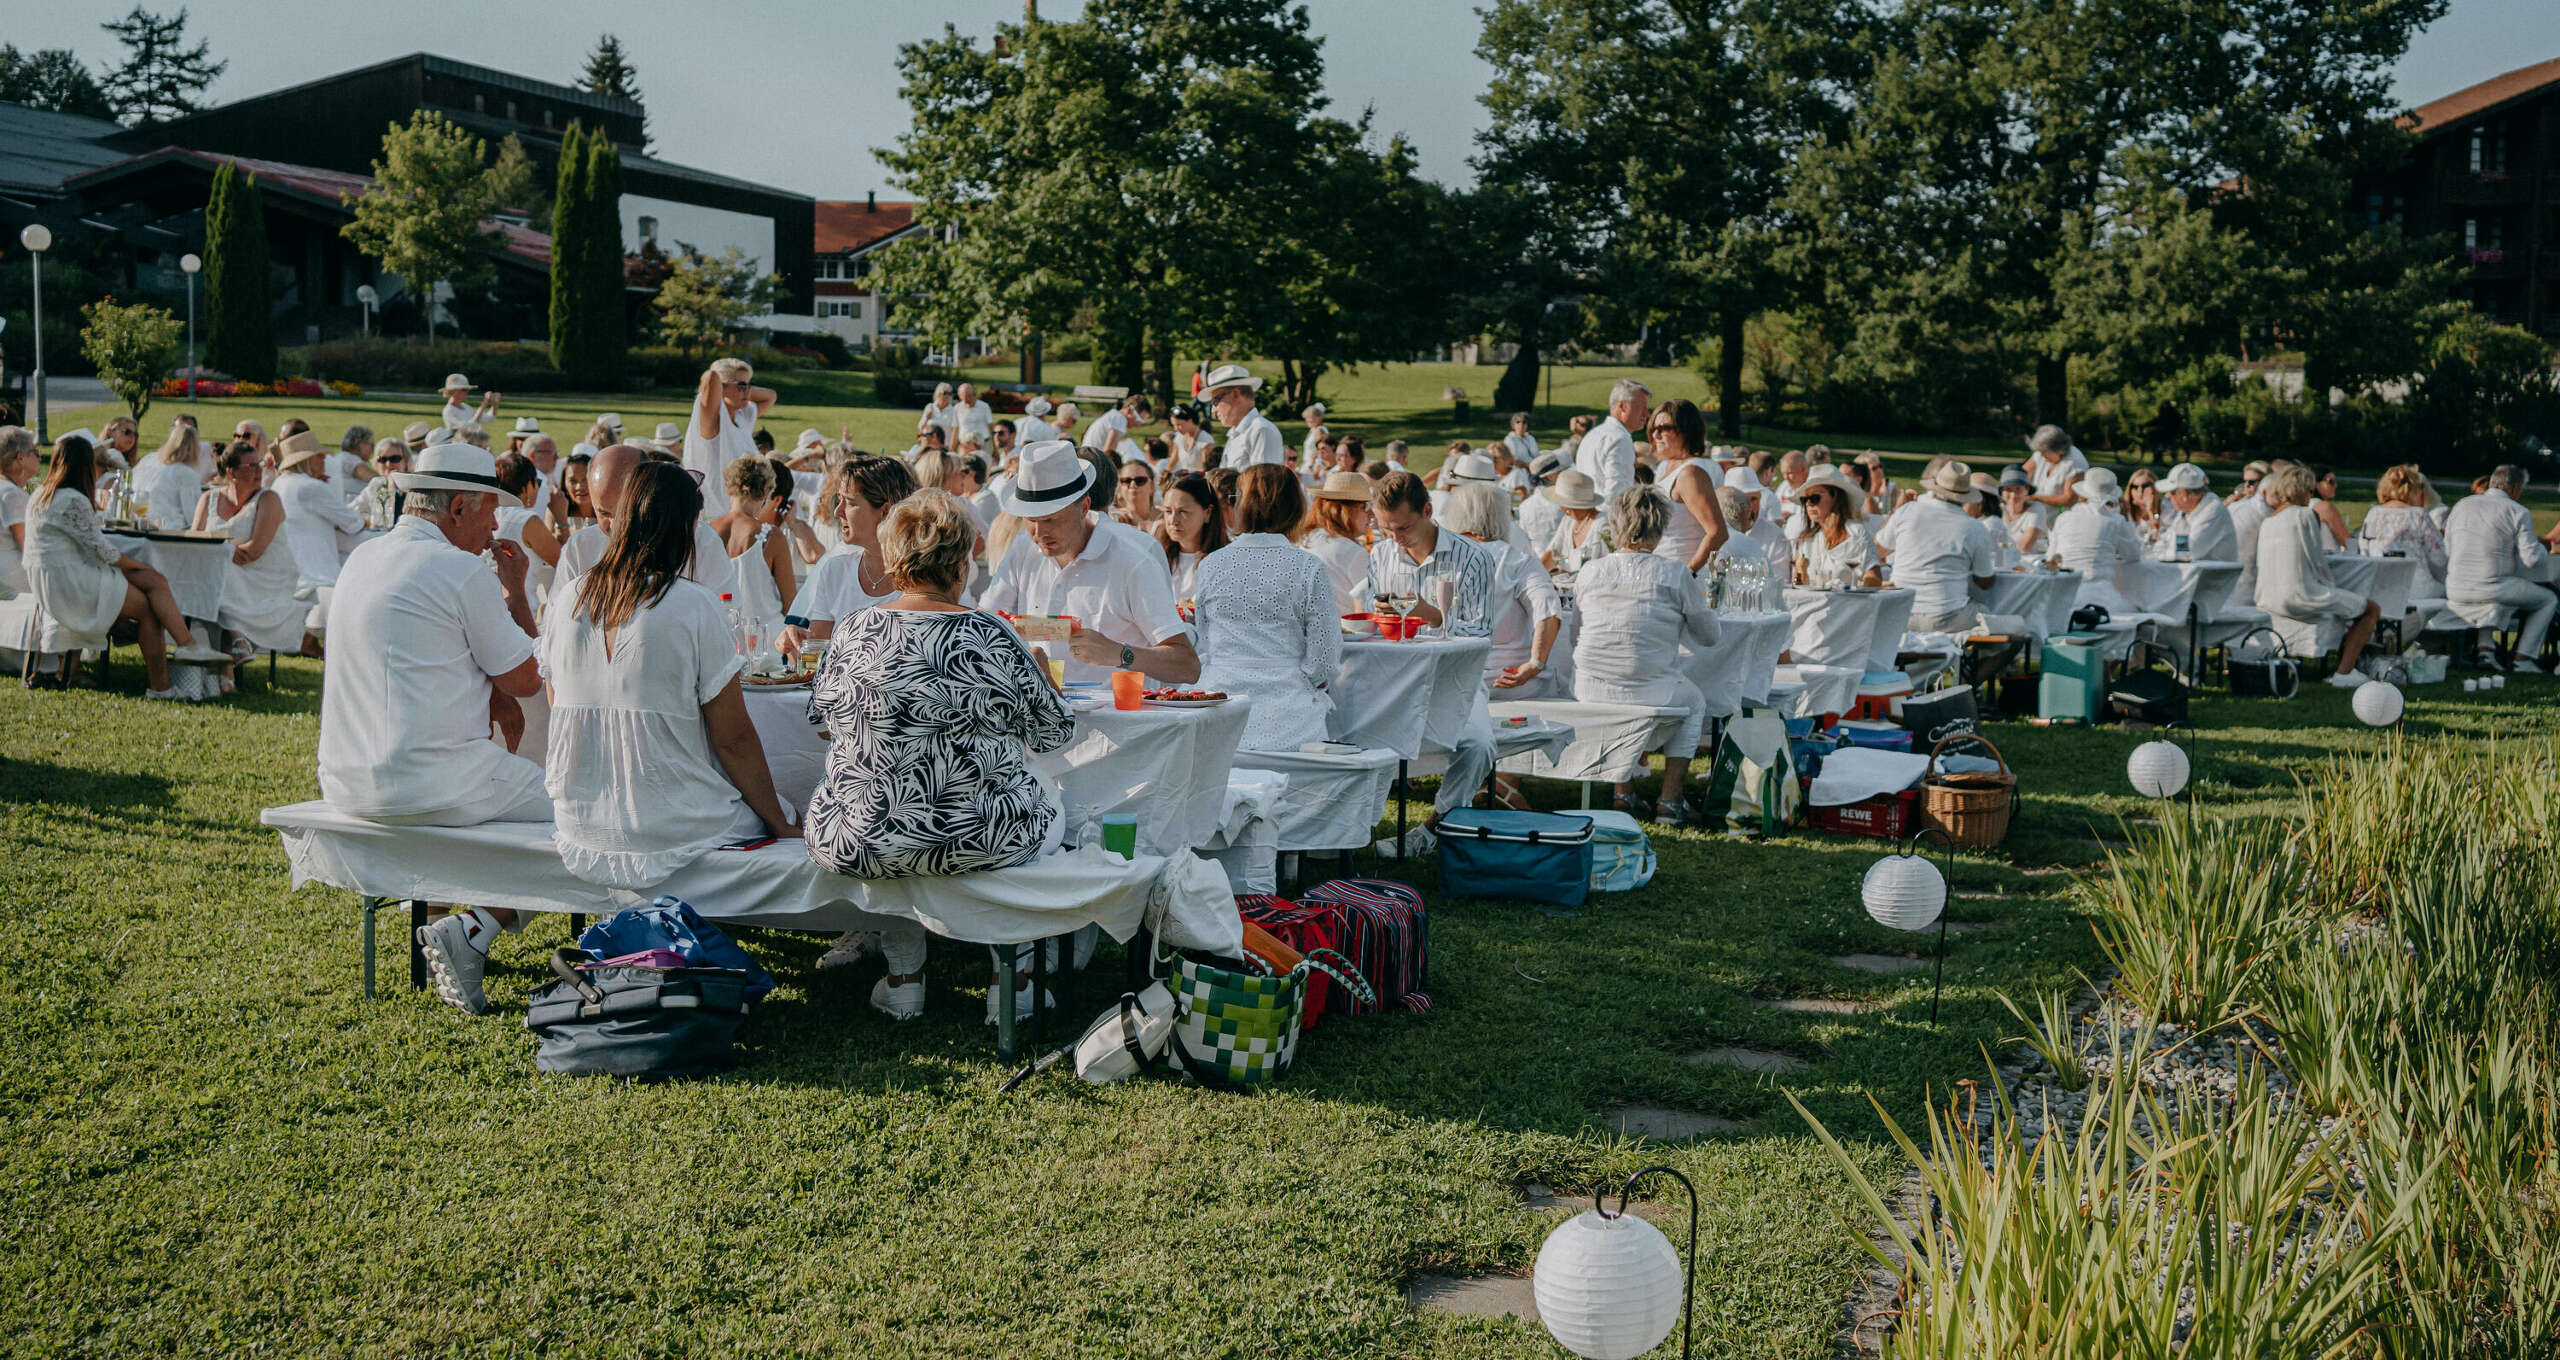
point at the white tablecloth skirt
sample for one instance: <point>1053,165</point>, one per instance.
<point>1824,689</point>
<point>514,865</point>
<point>1841,628</point>
<point>194,570</point>
<point>1610,741</point>
<point>1330,802</point>
<point>2387,581</point>
<point>1737,670</point>
<point>1408,697</point>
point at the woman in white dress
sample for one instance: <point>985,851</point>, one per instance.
<point>170,480</point>
<point>1336,531</point>
<point>1265,619</point>
<point>85,586</point>
<point>2094,539</point>
<point>261,609</point>
<point>850,577</point>
<point>521,520</point>
<point>2294,581</point>
<point>1191,443</point>
<point>652,760</point>
<point>1836,547</point>
<point>722,429</point>
<point>316,511</point>
<point>1190,529</point>
<point>2399,523</point>
<point>1632,610</point>
<point>18,466</point>
<point>759,499</point>
<point>1688,480</point>
<point>1581,536</point>
<point>2022,518</point>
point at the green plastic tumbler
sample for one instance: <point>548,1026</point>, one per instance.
<point>1120,834</point>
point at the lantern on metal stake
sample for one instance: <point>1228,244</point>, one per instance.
<point>1606,1283</point>
<point>1905,892</point>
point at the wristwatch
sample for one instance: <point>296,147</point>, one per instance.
<point>1128,657</point>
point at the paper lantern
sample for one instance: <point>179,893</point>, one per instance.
<point>1904,892</point>
<point>2379,703</point>
<point>1608,1288</point>
<point>2158,769</point>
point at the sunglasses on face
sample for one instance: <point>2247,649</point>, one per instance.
<point>1136,481</point>
<point>391,460</point>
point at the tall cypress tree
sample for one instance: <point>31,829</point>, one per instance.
<point>240,328</point>
<point>608,325</point>
<point>570,275</point>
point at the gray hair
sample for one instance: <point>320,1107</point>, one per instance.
<point>2049,439</point>
<point>2507,477</point>
<point>2289,484</point>
<point>1479,510</point>
<point>942,390</point>
<point>439,501</point>
<point>534,440</point>
<point>357,436</point>
<point>1739,514</point>
<point>15,440</point>
<point>1638,517</point>
<point>1625,390</point>
<point>1793,459</point>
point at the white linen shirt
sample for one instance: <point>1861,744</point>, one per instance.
<point>1524,596</point>
<point>1456,558</point>
<point>1937,550</point>
<point>1608,456</point>
<point>2051,478</point>
<point>2102,546</point>
<point>1538,515</point>
<point>2247,516</point>
<point>1252,440</point>
<point>1102,427</point>
<point>636,792</point>
<point>1346,566</point>
<point>1631,613</point>
<point>1268,629</point>
<point>416,629</point>
<point>13,512</point>
<point>314,515</point>
<point>2488,541</point>
<point>1118,586</point>
<point>2210,535</point>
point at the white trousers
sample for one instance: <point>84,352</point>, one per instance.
<point>2537,603</point>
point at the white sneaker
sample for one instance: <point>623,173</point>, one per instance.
<point>2349,680</point>
<point>1418,841</point>
<point>1021,1002</point>
<point>172,692</point>
<point>2524,667</point>
<point>2487,661</point>
<point>455,963</point>
<point>904,1002</point>
<point>199,654</point>
<point>850,948</point>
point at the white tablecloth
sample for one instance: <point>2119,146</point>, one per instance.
<point>1407,697</point>
<point>1610,741</point>
<point>2387,581</point>
<point>194,569</point>
<point>1817,690</point>
<point>2171,588</point>
<point>1841,628</point>
<point>1167,765</point>
<point>2043,598</point>
<point>1737,670</point>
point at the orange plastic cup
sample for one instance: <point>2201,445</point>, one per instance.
<point>1127,687</point>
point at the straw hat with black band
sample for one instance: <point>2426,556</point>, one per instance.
<point>450,467</point>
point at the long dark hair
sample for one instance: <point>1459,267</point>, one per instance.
<point>75,465</point>
<point>650,546</point>
<point>1689,424</point>
<point>1201,492</point>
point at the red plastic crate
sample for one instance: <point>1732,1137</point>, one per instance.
<point>1887,816</point>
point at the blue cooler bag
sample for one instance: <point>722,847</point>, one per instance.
<point>1621,854</point>
<point>1516,856</point>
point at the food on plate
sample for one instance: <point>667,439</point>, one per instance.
<point>1184,695</point>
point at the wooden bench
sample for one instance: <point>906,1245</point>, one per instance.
<point>1111,396</point>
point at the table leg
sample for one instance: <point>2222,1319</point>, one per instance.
<point>371,905</point>
<point>1039,984</point>
<point>1004,1003</point>
<point>1401,791</point>
<point>1585,786</point>
<point>577,925</point>
<point>417,956</point>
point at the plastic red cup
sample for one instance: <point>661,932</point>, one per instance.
<point>1127,689</point>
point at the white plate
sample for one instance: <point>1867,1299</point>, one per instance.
<point>745,683</point>
<point>1187,703</point>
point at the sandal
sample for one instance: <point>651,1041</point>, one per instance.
<point>1514,798</point>
<point>1679,812</point>
<point>1635,805</point>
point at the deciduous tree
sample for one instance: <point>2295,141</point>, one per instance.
<point>425,218</point>
<point>132,347</point>
<point>706,297</point>
<point>52,79</point>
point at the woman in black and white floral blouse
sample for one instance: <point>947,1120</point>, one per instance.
<point>935,711</point>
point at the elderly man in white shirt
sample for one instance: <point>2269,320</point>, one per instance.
<point>2197,516</point>
<point>1107,576</point>
<point>974,421</point>
<point>2488,545</point>
<point>1940,553</point>
<point>429,648</point>
<point>1608,454</point>
<point>1251,437</point>
<point>1523,445</point>
<point>1033,426</point>
<point>2054,463</point>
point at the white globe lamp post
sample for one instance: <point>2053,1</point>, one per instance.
<point>38,240</point>
<point>191,264</point>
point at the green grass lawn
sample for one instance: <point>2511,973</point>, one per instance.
<point>210,1143</point>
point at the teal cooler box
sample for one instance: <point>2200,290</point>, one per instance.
<point>2073,684</point>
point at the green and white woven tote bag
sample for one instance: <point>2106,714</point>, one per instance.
<point>1241,1029</point>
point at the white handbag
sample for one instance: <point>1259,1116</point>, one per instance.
<point>1128,1039</point>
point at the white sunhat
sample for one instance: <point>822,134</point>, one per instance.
<point>1053,477</point>
<point>2184,477</point>
<point>1230,375</point>
<point>611,420</point>
<point>449,467</point>
<point>668,432</point>
<point>811,438</point>
<point>583,449</point>
<point>1744,480</point>
<point>1472,467</point>
<point>527,425</point>
<point>1037,406</point>
<point>2098,484</point>
<point>453,381</point>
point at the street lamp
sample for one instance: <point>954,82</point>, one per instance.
<point>366,298</point>
<point>37,240</point>
<point>190,263</point>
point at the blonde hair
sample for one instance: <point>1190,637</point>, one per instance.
<point>753,478</point>
<point>2402,485</point>
<point>2289,484</point>
<point>733,370</point>
<point>926,541</point>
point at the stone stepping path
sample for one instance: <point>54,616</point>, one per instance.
<point>1815,1005</point>
<point>1665,1125</point>
<point>1759,1060</point>
<point>1475,1296</point>
<point>1879,963</point>
<point>1970,927</point>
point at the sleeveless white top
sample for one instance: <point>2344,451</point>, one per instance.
<point>1680,539</point>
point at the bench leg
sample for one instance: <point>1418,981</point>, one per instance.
<point>1004,1003</point>
<point>1402,770</point>
<point>577,925</point>
<point>371,905</point>
<point>417,956</point>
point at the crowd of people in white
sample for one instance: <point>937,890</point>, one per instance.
<point>518,633</point>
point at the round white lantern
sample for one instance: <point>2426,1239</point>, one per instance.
<point>1904,892</point>
<point>1608,1288</point>
<point>2379,703</point>
<point>36,238</point>
<point>2158,769</point>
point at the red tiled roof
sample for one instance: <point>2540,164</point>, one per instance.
<point>2435,115</point>
<point>846,226</point>
<point>330,186</point>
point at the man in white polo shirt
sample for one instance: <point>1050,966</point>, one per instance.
<point>429,647</point>
<point>2198,516</point>
<point>1251,437</point>
<point>1608,454</point>
<point>1939,553</point>
<point>1107,576</point>
<point>974,419</point>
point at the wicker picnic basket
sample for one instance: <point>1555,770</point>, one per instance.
<point>1973,808</point>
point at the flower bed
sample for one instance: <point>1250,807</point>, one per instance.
<point>282,387</point>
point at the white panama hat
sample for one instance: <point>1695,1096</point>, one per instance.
<point>1053,477</point>
<point>527,425</point>
<point>449,467</point>
<point>811,438</point>
<point>1472,467</point>
<point>453,381</point>
<point>2099,485</point>
<point>1230,375</point>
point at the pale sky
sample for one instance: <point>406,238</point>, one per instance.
<point>796,93</point>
